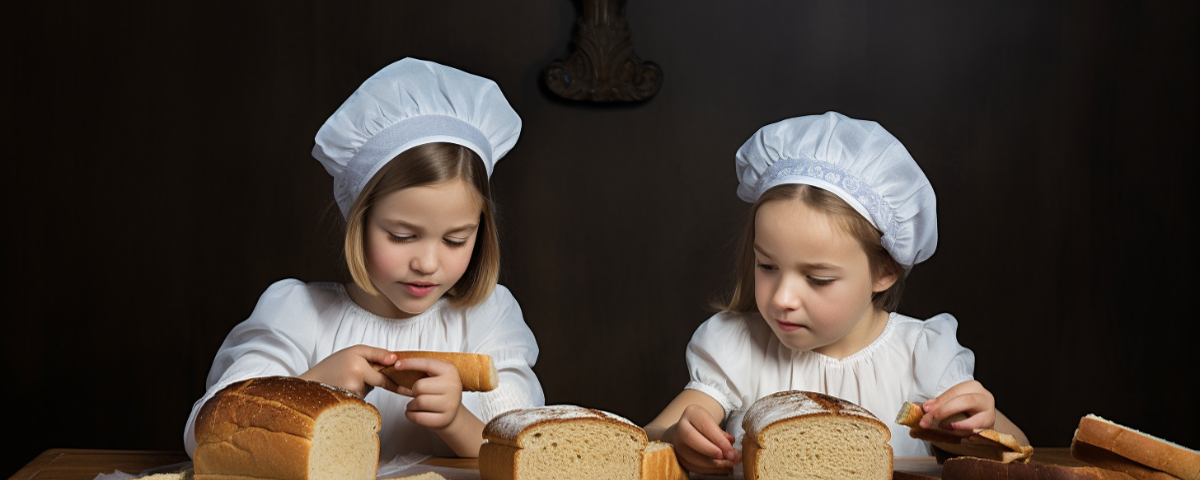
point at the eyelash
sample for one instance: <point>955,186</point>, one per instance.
<point>815,281</point>
<point>408,238</point>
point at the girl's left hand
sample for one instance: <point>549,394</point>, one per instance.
<point>436,398</point>
<point>968,398</point>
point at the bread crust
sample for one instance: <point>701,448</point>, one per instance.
<point>509,427</point>
<point>498,462</point>
<point>475,370</point>
<point>265,418</point>
<point>1139,448</point>
<point>972,468</point>
<point>659,463</point>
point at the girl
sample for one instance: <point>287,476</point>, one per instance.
<point>410,153</point>
<point>841,214</point>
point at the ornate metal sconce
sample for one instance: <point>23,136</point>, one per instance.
<point>603,67</point>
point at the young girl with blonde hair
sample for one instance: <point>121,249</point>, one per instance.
<point>841,212</point>
<point>410,153</point>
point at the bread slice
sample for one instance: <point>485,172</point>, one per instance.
<point>1147,450</point>
<point>997,446</point>
<point>421,476</point>
<point>185,474</point>
<point>1105,459</point>
<point>808,435</point>
<point>974,468</point>
<point>475,370</point>
<point>659,463</point>
<point>561,442</point>
<point>286,428</point>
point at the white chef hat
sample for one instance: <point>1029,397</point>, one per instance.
<point>857,160</point>
<point>406,104</point>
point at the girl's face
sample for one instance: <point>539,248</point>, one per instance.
<point>418,244</point>
<point>812,280</point>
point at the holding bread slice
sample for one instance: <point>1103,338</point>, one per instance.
<point>1146,457</point>
<point>286,428</point>
<point>808,435</point>
<point>475,370</point>
<point>992,445</point>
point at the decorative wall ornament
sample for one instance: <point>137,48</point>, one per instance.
<point>603,67</point>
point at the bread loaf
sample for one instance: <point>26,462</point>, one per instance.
<point>974,468</point>
<point>1132,449</point>
<point>807,435</point>
<point>286,428</point>
<point>659,463</point>
<point>1001,447</point>
<point>1105,459</point>
<point>475,370</point>
<point>561,442</point>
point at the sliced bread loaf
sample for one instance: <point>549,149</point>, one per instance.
<point>1131,446</point>
<point>561,442</point>
<point>808,435</point>
<point>286,428</point>
<point>975,468</point>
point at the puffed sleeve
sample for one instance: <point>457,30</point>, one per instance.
<point>719,360</point>
<point>497,328</point>
<point>940,361</point>
<point>277,339</point>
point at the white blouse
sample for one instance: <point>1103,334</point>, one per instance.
<point>295,325</point>
<point>736,359</point>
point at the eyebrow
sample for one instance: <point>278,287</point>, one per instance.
<point>805,266</point>
<point>458,229</point>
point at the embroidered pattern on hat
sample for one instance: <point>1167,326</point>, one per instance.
<point>852,188</point>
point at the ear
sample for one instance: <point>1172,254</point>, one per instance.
<point>886,279</point>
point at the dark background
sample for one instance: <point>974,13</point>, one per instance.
<point>158,179</point>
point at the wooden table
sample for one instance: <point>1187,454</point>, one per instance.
<point>80,464</point>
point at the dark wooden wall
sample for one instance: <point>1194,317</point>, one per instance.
<point>158,178</point>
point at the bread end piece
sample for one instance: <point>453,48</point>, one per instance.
<point>1116,444</point>
<point>476,370</point>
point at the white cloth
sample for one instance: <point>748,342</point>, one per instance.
<point>858,161</point>
<point>409,103</point>
<point>295,325</point>
<point>737,359</point>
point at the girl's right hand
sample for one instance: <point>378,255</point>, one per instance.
<point>700,443</point>
<point>355,369</point>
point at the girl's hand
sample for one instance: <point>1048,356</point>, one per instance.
<point>700,444</point>
<point>436,398</point>
<point>355,369</point>
<point>968,398</point>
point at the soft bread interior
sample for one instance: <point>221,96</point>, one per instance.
<point>342,448</point>
<point>825,448</point>
<point>580,449</point>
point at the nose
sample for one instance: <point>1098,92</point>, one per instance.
<point>786,298</point>
<point>425,259</point>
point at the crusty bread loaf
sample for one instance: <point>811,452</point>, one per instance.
<point>561,442</point>
<point>1105,459</point>
<point>1001,447</point>
<point>659,463</point>
<point>286,428</point>
<point>475,370</point>
<point>807,435</point>
<point>975,468</point>
<point>1149,451</point>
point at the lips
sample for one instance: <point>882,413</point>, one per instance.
<point>419,289</point>
<point>788,327</point>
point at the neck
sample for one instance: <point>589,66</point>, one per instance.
<point>376,304</point>
<point>866,331</point>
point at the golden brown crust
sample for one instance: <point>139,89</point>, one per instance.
<point>509,427</point>
<point>659,463</point>
<point>475,370</point>
<point>1105,459</point>
<point>1139,447</point>
<point>750,451</point>
<point>497,462</point>
<point>971,468</point>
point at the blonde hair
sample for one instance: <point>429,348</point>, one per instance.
<point>431,164</point>
<point>869,238</point>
